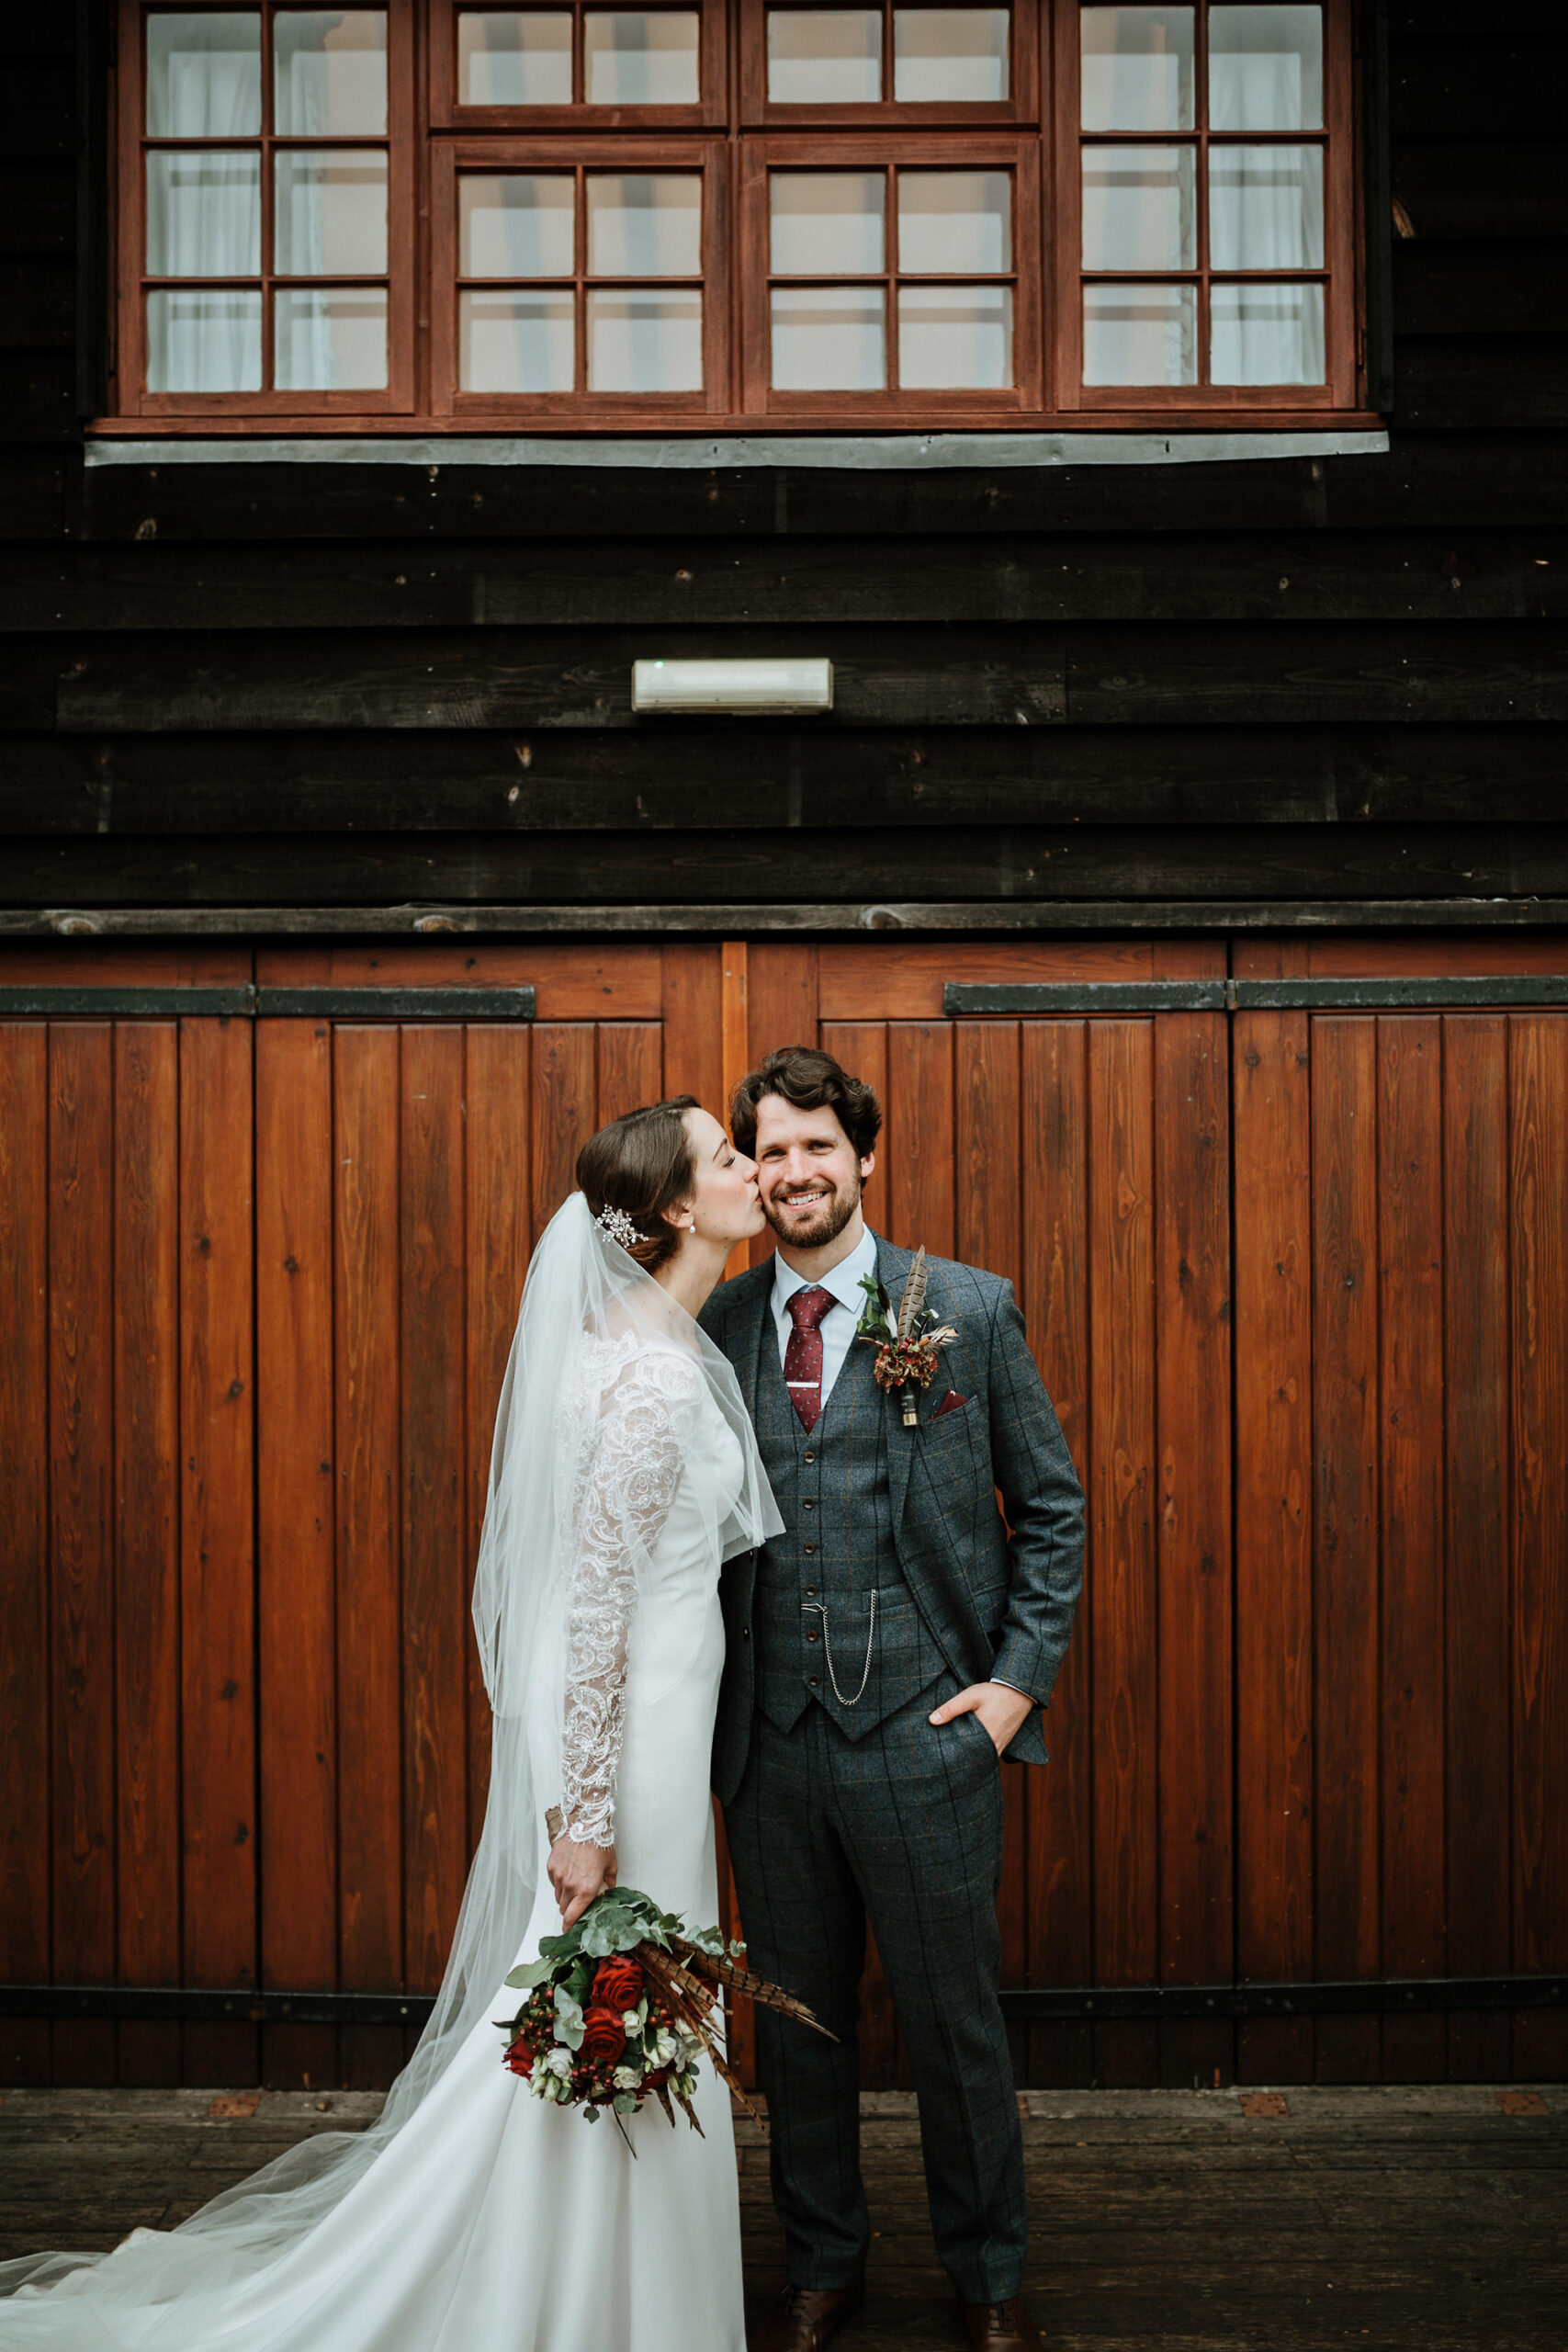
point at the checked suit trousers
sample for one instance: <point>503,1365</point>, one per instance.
<point>903,1826</point>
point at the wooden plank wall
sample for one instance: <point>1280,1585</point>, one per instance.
<point>1336,679</point>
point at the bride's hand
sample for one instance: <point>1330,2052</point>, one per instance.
<point>578,1873</point>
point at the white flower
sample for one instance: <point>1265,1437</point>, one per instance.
<point>627,2078</point>
<point>560,2061</point>
<point>631,2024</point>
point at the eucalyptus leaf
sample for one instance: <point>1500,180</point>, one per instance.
<point>624,2103</point>
<point>532,1974</point>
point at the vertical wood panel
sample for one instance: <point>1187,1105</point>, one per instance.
<point>1346,1891</point>
<point>434,1498</point>
<point>1120,1583</point>
<point>916,1140</point>
<point>369,1534</point>
<point>146,1359</point>
<point>81,1419</point>
<point>1475,1346</point>
<point>563,1113</point>
<point>631,1067</point>
<point>781,1009</point>
<point>1539,1189</point>
<point>1193,1371</point>
<point>217,1546</point>
<point>296,1565</point>
<point>496,1242</point>
<point>693,1025</point>
<point>24,1802</point>
<point>860,1048</point>
<point>1052,1182</point>
<point>1273,1506</point>
<point>986,1227</point>
<point>1410,1225</point>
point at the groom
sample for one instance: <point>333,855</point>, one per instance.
<point>884,1653</point>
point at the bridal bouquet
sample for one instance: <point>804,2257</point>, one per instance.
<point>625,2003</point>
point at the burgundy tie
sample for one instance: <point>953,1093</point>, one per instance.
<point>803,1356</point>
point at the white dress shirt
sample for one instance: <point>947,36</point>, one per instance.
<point>837,1326</point>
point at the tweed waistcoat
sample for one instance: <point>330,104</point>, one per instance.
<point>837,1548</point>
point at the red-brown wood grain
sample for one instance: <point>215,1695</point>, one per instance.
<point>495,1262</point>
<point>1053,1296</point>
<point>367,1449</point>
<point>1538,1183</point>
<point>915,1149</point>
<point>564,1112</point>
<point>296,1559</point>
<point>25,1822</point>
<point>1121,1602</point>
<point>1476,1598</point>
<point>860,1048</point>
<point>435,1497</point>
<point>1410,1706</point>
<point>80,1472</point>
<point>1346,1896</point>
<point>1273,1489</point>
<point>217,1728</point>
<point>147,1604</point>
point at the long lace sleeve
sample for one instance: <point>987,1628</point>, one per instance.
<point>629,1479</point>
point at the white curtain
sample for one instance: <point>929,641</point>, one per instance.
<point>204,205</point>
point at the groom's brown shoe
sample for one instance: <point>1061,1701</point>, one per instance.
<point>806,2317</point>
<point>1001,2327</point>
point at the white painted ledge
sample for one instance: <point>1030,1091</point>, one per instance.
<point>871,452</point>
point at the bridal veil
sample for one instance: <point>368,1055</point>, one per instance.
<point>583,1440</point>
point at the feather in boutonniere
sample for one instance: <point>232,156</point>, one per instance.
<point>906,1354</point>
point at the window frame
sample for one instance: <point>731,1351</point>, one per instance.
<point>711,111</point>
<point>949,410</point>
<point>734,137</point>
<point>889,114</point>
<point>134,142</point>
<point>628,410</point>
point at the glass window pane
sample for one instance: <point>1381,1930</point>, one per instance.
<point>951,337</point>
<point>203,212</point>
<point>644,343</point>
<point>828,221</point>
<point>329,339</point>
<point>1136,69</point>
<point>330,72</point>
<point>1266,207</point>
<point>331,213</point>
<point>645,224</point>
<point>647,59</point>
<point>1139,211</point>
<point>1140,334</point>
<point>824,56</point>
<point>1266,335</point>
<point>204,340</point>
<point>515,224</point>
<point>204,76</point>
<point>516,342</point>
<point>959,55</point>
<point>1266,69</point>
<point>515,58</point>
<point>830,339</point>
<point>955,221</point>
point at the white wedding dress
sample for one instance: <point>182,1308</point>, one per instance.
<point>489,2220</point>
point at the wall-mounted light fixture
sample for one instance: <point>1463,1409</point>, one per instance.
<point>776,689</point>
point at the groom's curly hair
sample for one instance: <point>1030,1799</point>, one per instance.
<point>811,1081</point>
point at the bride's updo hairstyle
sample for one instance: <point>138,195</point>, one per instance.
<point>642,1164</point>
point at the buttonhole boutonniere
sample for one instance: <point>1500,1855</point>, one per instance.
<point>906,1350</point>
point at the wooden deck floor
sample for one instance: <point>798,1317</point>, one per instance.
<point>1419,2220</point>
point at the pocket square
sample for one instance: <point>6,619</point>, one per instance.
<point>951,1403</point>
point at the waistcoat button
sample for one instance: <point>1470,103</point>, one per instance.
<point>811,1592</point>
<point>813,1679</point>
<point>811,1547</point>
<point>811,1457</point>
<point>812,1635</point>
<point>809,1503</point>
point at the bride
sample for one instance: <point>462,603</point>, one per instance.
<point>473,2217</point>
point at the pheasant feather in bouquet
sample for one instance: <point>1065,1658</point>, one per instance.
<point>624,2005</point>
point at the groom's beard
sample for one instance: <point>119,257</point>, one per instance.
<point>832,1213</point>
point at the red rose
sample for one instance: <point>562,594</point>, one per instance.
<point>604,2037</point>
<point>618,1984</point>
<point>520,2058</point>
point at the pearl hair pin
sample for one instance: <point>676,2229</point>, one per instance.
<point>618,1226</point>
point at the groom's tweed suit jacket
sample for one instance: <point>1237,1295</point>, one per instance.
<point>994,1602</point>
